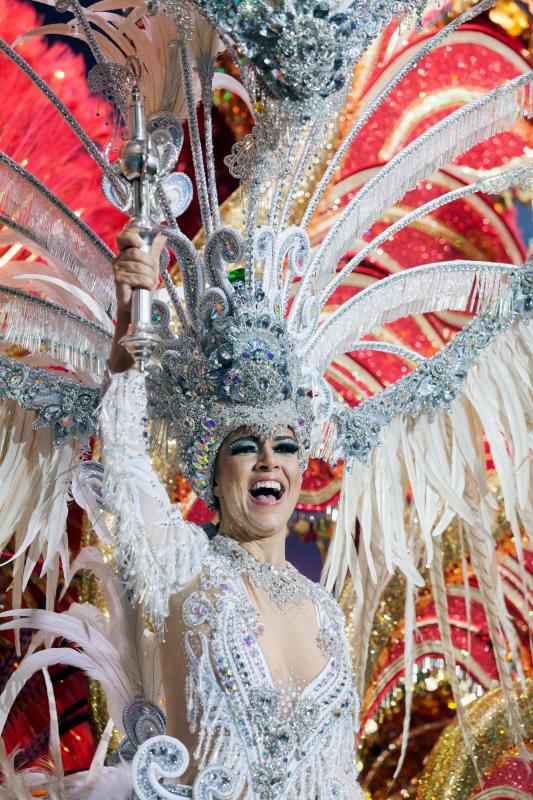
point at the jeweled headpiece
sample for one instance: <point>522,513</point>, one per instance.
<point>241,370</point>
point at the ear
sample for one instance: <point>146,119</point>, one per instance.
<point>216,490</point>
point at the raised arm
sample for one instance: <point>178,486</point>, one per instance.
<point>157,552</point>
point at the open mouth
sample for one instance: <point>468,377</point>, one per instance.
<point>266,493</point>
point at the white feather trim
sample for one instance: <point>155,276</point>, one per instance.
<point>53,226</point>
<point>54,282</point>
<point>98,658</point>
<point>34,490</point>
<point>158,553</point>
<point>115,783</point>
<point>458,285</point>
<point>98,783</point>
<point>421,50</point>
<point>492,112</point>
<point>443,462</point>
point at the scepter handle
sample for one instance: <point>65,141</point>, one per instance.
<point>141,337</point>
<point>141,302</point>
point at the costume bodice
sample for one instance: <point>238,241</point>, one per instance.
<point>279,737</point>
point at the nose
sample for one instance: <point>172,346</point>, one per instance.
<point>267,460</point>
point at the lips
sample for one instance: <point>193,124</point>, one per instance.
<point>266,492</point>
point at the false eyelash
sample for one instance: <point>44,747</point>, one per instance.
<point>242,446</point>
<point>287,447</point>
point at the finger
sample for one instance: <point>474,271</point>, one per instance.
<point>133,254</point>
<point>135,268</point>
<point>136,281</point>
<point>129,238</point>
<point>135,271</point>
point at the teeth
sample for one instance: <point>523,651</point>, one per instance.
<point>276,485</point>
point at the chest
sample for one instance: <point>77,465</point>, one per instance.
<point>288,637</point>
<point>272,685</point>
<point>258,641</point>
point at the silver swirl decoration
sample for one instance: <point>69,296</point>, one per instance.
<point>161,319</point>
<point>161,760</point>
<point>224,246</point>
<point>323,402</point>
<point>293,245</point>
<point>310,312</point>
<point>214,304</point>
<point>143,720</point>
<point>213,783</point>
<point>166,135</point>
<point>157,761</point>
<point>191,269</point>
<point>264,249</point>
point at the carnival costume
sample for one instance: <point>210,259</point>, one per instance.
<point>248,347</point>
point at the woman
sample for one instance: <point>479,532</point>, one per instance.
<point>256,671</point>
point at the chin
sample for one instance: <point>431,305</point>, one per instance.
<point>268,520</point>
<point>266,526</point>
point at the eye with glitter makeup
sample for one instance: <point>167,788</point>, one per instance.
<point>247,445</point>
<point>286,446</point>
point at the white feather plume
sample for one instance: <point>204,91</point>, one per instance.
<point>443,462</point>
<point>97,657</point>
<point>458,285</point>
<point>492,112</point>
<point>96,783</point>
<point>34,490</point>
<point>120,37</point>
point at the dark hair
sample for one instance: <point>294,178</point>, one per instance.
<point>210,530</point>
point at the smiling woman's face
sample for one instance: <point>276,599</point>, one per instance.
<point>257,482</point>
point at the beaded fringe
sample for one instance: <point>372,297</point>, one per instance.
<point>462,286</point>
<point>209,717</point>
<point>489,114</point>
<point>76,342</point>
<point>28,207</point>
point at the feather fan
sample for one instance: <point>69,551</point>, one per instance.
<point>460,285</point>
<point>492,112</point>
<point>443,463</point>
<point>25,202</point>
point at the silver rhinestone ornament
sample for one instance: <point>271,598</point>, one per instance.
<point>284,586</point>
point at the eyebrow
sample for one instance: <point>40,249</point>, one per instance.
<point>255,438</point>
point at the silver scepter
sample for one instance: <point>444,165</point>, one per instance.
<point>139,165</point>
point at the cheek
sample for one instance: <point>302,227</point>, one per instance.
<point>295,478</point>
<point>233,477</point>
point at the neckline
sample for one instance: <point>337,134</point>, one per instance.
<point>284,586</point>
<point>310,685</point>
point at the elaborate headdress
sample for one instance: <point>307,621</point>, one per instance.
<point>236,367</point>
<point>250,346</point>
